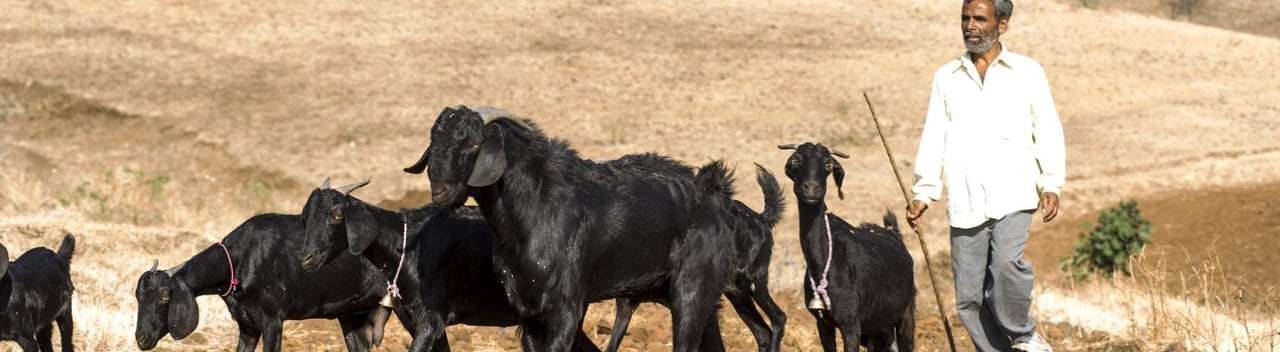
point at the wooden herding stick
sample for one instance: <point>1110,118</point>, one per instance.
<point>923,247</point>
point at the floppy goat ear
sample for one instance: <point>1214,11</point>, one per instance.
<point>5,289</point>
<point>184,315</point>
<point>4,261</point>
<point>837,172</point>
<point>361,228</point>
<point>492,161</point>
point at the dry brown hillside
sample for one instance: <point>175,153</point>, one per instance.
<point>152,128</point>
<point>1261,17</point>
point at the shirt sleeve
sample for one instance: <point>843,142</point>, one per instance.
<point>928,170</point>
<point>1050,146</point>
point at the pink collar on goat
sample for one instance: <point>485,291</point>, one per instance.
<point>234,281</point>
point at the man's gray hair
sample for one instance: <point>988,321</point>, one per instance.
<point>1004,8</point>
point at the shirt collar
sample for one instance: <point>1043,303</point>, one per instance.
<point>964,62</point>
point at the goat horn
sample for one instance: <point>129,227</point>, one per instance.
<point>838,153</point>
<point>154,265</point>
<point>489,114</point>
<point>787,146</point>
<point>175,269</point>
<point>351,187</point>
<point>325,184</point>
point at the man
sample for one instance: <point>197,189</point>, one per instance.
<point>993,128</point>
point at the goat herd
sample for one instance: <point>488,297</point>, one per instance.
<point>552,232</point>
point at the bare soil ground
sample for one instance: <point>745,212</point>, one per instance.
<point>151,128</point>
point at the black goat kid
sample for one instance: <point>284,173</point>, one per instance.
<point>446,276</point>
<point>753,242</point>
<point>267,287</point>
<point>35,291</point>
<point>572,231</point>
<point>863,275</point>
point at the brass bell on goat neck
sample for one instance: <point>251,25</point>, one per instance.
<point>816,303</point>
<point>386,301</point>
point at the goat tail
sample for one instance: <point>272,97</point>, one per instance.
<point>891,222</point>
<point>775,202</point>
<point>715,181</point>
<point>67,248</point>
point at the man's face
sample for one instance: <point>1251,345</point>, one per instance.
<point>980,27</point>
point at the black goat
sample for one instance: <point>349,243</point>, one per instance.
<point>267,287</point>
<point>572,231</point>
<point>447,275</point>
<point>35,291</point>
<point>753,239</point>
<point>863,276</point>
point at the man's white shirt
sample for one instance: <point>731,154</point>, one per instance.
<point>998,142</point>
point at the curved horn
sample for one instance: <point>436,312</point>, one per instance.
<point>154,265</point>
<point>351,187</point>
<point>325,184</point>
<point>175,269</point>
<point>489,114</point>
<point>788,146</point>
<point>838,153</point>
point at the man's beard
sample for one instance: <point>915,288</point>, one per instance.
<point>985,43</point>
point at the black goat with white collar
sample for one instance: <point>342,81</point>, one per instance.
<point>863,274</point>
<point>444,258</point>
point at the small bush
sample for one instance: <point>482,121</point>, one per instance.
<point>1121,233</point>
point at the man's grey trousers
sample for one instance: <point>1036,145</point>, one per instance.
<point>993,282</point>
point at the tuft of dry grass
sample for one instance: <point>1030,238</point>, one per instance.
<point>1202,309</point>
<point>1209,308</point>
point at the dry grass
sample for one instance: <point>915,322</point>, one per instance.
<point>104,269</point>
<point>151,128</point>
<point>1204,309</point>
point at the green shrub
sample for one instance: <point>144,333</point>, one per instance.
<point>1121,233</point>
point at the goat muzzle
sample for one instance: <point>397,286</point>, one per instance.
<point>308,262</point>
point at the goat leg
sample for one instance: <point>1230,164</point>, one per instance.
<point>44,337</point>
<point>248,341</point>
<point>273,336</point>
<point>66,328</point>
<point>27,343</point>
<point>776,315</point>
<point>355,331</point>
<point>621,319</point>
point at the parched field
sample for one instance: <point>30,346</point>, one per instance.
<point>150,129</point>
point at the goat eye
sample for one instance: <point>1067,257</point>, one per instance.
<point>337,216</point>
<point>829,166</point>
<point>164,299</point>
